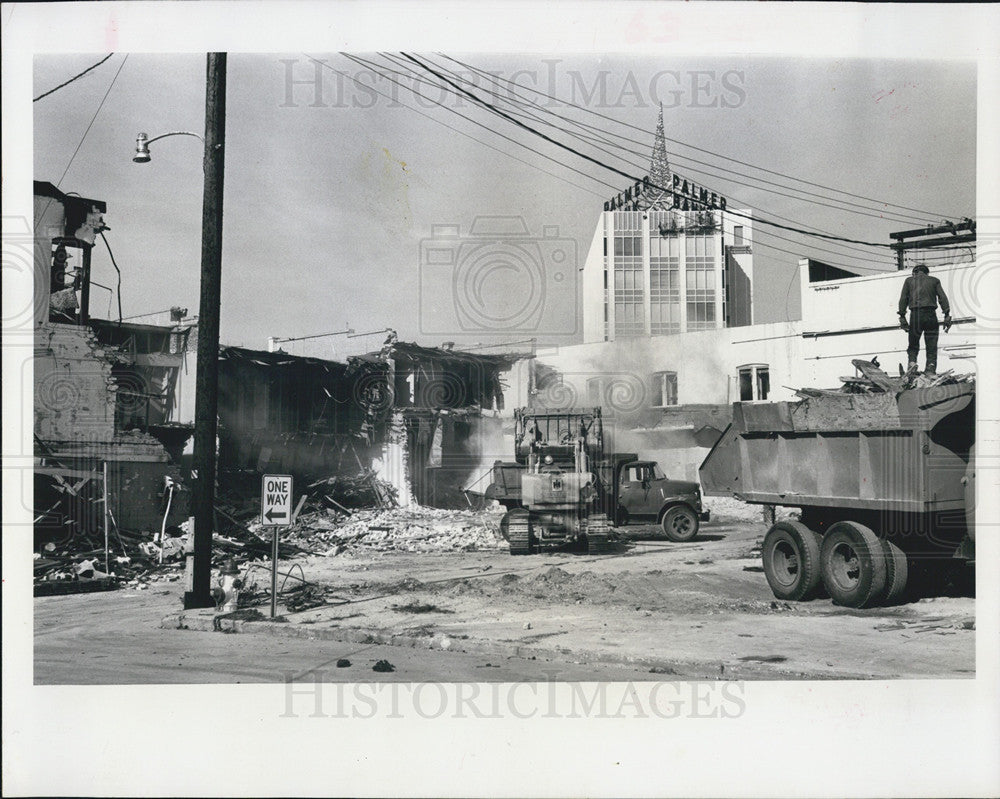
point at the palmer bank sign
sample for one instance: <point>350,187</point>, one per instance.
<point>684,195</point>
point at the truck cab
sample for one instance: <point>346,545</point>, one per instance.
<point>646,494</point>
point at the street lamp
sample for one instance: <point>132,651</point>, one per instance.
<point>142,142</point>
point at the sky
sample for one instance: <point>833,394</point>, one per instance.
<point>332,192</point>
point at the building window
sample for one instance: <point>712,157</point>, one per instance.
<point>738,236</point>
<point>755,382</point>
<point>664,285</point>
<point>663,389</point>
<point>628,291</point>
<point>700,267</point>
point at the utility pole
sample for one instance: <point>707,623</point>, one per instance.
<point>198,593</point>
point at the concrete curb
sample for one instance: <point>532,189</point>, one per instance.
<point>212,622</point>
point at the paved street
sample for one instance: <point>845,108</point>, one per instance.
<point>700,610</point>
<point>115,638</point>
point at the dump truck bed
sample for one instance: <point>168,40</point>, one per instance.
<point>905,452</point>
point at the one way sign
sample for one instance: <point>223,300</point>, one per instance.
<point>276,499</point>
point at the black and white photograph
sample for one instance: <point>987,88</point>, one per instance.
<point>500,400</point>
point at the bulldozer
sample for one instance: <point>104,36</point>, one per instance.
<point>562,487</point>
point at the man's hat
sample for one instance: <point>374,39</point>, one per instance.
<point>921,268</point>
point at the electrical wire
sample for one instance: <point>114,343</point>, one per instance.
<point>633,178</point>
<point>119,271</point>
<point>363,63</point>
<point>93,119</point>
<point>377,69</point>
<point>75,77</point>
<point>868,255</point>
<point>381,71</point>
<point>700,149</point>
<point>879,213</point>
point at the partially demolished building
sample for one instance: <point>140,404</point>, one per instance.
<point>421,419</point>
<point>107,453</point>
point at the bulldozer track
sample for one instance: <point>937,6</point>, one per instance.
<point>519,534</point>
<point>598,535</point>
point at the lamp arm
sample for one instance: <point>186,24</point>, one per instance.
<point>174,133</point>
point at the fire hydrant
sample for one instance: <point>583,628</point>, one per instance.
<point>227,593</point>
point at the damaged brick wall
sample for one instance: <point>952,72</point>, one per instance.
<point>74,389</point>
<point>76,397</point>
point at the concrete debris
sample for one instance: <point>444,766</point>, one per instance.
<point>342,493</point>
<point>872,380</point>
<point>412,529</point>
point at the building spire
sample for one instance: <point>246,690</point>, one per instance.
<point>659,166</point>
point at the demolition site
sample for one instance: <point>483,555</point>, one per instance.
<point>684,492</point>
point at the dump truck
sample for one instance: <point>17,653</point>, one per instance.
<point>882,481</point>
<point>563,487</point>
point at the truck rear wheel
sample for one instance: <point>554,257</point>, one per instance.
<point>680,523</point>
<point>791,560</point>
<point>853,565</point>
<point>519,532</point>
<point>895,572</point>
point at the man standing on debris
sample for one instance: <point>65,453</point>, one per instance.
<point>921,294</point>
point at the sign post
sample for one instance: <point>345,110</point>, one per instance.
<point>275,512</point>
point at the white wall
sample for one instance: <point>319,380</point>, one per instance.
<point>856,318</point>
<point>705,361</point>
<point>592,286</point>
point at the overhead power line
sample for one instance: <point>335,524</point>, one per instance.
<point>375,68</point>
<point>75,77</point>
<point>845,205</point>
<point>926,213</point>
<point>381,72</point>
<point>622,173</point>
<point>93,118</point>
<point>742,203</point>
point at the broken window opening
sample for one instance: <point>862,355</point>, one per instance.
<point>754,382</point>
<point>663,389</point>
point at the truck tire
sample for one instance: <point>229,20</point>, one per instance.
<point>519,532</point>
<point>598,531</point>
<point>896,573</point>
<point>680,523</point>
<point>791,561</point>
<point>853,565</point>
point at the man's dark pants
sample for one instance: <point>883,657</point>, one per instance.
<point>923,321</point>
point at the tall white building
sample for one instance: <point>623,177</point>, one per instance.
<point>667,257</point>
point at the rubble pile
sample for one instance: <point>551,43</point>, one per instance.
<point>872,380</point>
<point>337,515</point>
<point>413,529</point>
<point>130,561</point>
<point>359,491</point>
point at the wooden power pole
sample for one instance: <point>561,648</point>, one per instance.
<point>198,593</point>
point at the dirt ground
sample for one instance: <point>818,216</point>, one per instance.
<point>701,609</point>
<point>444,587</point>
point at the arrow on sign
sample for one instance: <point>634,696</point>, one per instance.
<point>271,515</point>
